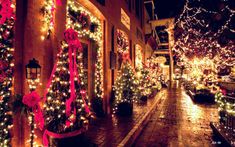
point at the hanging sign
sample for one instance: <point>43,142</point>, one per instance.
<point>160,59</point>
<point>125,19</point>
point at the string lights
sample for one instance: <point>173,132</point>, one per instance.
<point>48,11</point>
<point>6,69</point>
<point>125,86</point>
<point>67,107</point>
<point>198,40</point>
<point>225,104</point>
<point>88,26</point>
<point>126,83</point>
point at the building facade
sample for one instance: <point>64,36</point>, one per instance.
<point>38,34</point>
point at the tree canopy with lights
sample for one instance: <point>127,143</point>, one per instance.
<point>206,32</point>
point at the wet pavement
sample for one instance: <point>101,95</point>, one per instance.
<point>110,131</point>
<point>178,121</point>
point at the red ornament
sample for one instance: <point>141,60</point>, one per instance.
<point>83,92</point>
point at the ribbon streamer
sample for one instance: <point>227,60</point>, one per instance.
<point>74,46</point>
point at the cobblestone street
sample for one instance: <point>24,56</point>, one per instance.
<point>179,122</point>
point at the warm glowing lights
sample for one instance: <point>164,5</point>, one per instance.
<point>60,91</point>
<point>48,11</point>
<point>138,57</point>
<point>226,104</point>
<point>91,29</point>
<point>125,86</point>
<point>197,40</point>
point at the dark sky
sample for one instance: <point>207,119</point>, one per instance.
<point>172,8</point>
<point>168,8</point>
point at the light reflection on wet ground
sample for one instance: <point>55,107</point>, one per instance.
<point>179,122</point>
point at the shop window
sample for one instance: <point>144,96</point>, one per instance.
<point>123,46</point>
<point>138,56</point>
<point>102,2</point>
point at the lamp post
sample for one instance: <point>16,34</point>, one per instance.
<point>33,73</point>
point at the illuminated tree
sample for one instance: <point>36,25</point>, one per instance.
<point>67,107</point>
<point>89,26</point>
<point>145,83</point>
<point>126,89</point>
<point>6,70</point>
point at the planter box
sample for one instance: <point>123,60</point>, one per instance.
<point>79,140</point>
<point>97,106</point>
<point>125,109</point>
<point>204,97</point>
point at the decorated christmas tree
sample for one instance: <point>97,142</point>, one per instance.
<point>6,70</point>
<point>145,83</point>
<point>126,89</point>
<point>66,108</point>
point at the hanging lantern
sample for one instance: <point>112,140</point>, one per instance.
<point>33,70</point>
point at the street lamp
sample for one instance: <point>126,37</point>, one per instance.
<point>33,73</point>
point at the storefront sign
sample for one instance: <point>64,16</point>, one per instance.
<point>125,19</point>
<point>160,59</point>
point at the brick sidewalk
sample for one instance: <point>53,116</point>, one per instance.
<point>110,131</point>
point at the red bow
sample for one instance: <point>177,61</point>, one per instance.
<point>32,101</point>
<point>126,57</point>
<point>58,2</point>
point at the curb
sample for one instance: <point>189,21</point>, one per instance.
<point>137,129</point>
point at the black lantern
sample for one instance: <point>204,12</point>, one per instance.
<point>33,70</point>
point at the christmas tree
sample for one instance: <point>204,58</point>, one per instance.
<point>126,88</point>
<point>6,70</point>
<point>67,108</point>
<point>145,83</point>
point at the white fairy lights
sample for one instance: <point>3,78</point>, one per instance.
<point>95,35</point>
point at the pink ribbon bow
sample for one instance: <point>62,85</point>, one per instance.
<point>32,101</point>
<point>126,57</point>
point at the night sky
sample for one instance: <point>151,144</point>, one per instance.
<point>173,8</point>
<point>168,8</point>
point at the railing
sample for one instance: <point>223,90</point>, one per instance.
<point>227,115</point>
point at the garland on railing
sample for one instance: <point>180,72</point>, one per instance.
<point>89,26</point>
<point>225,104</point>
<point>7,21</point>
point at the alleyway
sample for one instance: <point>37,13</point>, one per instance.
<point>179,122</point>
